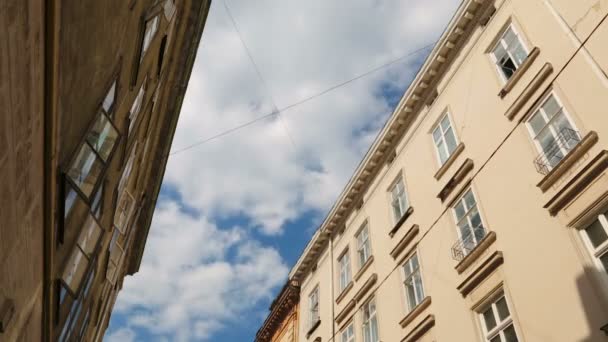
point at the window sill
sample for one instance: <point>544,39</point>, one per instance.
<point>482,272</point>
<point>481,247</point>
<point>519,73</point>
<point>369,283</point>
<point>345,311</point>
<point>401,221</point>
<point>570,159</point>
<point>344,292</point>
<point>442,170</point>
<point>415,312</point>
<point>363,268</point>
<point>458,178</point>
<point>405,241</point>
<point>313,328</point>
<point>418,331</point>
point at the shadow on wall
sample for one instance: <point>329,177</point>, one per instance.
<point>595,304</point>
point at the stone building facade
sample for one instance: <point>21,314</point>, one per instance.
<point>90,94</point>
<point>282,322</point>
<point>480,212</point>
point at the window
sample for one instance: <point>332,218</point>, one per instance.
<point>414,292</point>
<point>370,322</point>
<point>553,133</point>
<point>596,236</point>
<point>151,28</point>
<point>136,106</point>
<point>126,172</point>
<point>124,210</point>
<point>102,137</point>
<point>169,8</point>
<point>161,54</point>
<point>468,220</point>
<point>509,53</point>
<point>445,139</point>
<point>108,101</point>
<point>348,334</point>
<point>345,275</point>
<point>399,199</point>
<point>497,323</point>
<point>97,204</point>
<point>313,307</point>
<point>363,246</point>
<point>114,261</point>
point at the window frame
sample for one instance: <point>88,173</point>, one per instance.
<point>461,198</point>
<point>347,270</point>
<point>372,318</point>
<point>418,298</point>
<point>499,40</point>
<point>314,294</point>
<point>602,250</point>
<point>437,125</point>
<point>350,327</point>
<point>400,179</point>
<point>367,246</point>
<point>501,325</point>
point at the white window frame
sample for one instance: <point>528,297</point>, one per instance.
<point>137,105</point>
<point>399,200</point>
<point>314,314</point>
<point>443,138</point>
<point>149,36</point>
<point>414,271</point>
<point>344,270</point>
<point>348,334</point>
<point>501,41</point>
<point>501,326</point>
<point>123,215</point>
<point>366,323</point>
<point>363,245</point>
<point>601,250</point>
<point>466,216</point>
<point>540,111</point>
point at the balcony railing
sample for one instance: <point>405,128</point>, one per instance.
<point>564,142</point>
<point>467,244</point>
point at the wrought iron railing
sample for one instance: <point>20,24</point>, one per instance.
<point>467,243</point>
<point>564,142</point>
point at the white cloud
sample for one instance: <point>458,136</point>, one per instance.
<point>121,335</point>
<point>196,276</point>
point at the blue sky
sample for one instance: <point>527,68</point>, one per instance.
<point>235,213</point>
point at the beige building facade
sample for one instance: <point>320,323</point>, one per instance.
<point>281,324</point>
<point>480,213</point>
<point>90,94</point>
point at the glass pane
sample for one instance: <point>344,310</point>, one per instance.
<point>537,122</point>
<point>551,106</point>
<point>459,209</point>
<point>469,199</point>
<point>443,153</point>
<point>85,170</point>
<point>561,123</point>
<point>510,335</point>
<point>374,332</point>
<point>519,54</point>
<point>414,261</point>
<point>503,309</point>
<point>437,135</point>
<point>508,67</point>
<point>496,339</point>
<point>475,218</point>
<point>411,295</point>
<point>102,136</point>
<point>419,288</point>
<point>499,52</point>
<point>596,233</point>
<point>450,140</point>
<point>75,269</point>
<point>89,236</point>
<point>604,261</point>
<point>70,199</point>
<point>546,140</point>
<point>490,321</point>
<point>109,100</point>
<point>445,123</point>
<point>509,37</point>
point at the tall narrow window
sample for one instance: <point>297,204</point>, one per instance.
<point>124,211</point>
<point>313,307</point>
<point>348,334</point>
<point>470,226</point>
<point>553,133</point>
<point>161,54</point>
<point>363,245</point>
<point>445,139</point>
<point>497,322</point>
<point>414,291</point>
<point>345,274</point>
<point>370,322</point>
<point>108,101</point>
<point>81,256</point>
<point>136,107</point>
<point>102,137</point>
<point>399,201</point>
<point>150,32</point>
<point>596,236</point>
<point>509,53</point>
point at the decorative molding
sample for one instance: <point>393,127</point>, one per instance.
<point>420,329</point>
<point>344,292</point>
<point>481,247</point>
<point>405,241</point>
<point>569,159</point>
<point>366,287</point>
<point>573,188</point>
<point>363,268</point>
<point>417,311</point>
<point>345,311</point>
<point>527,93</point>
<point>280,310</point>
<point>402,220</point>
<point>481,273</point>
<point>519,73</point>
<point>313,328</point>
<point>442,170</point>
<point>458,177</point>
